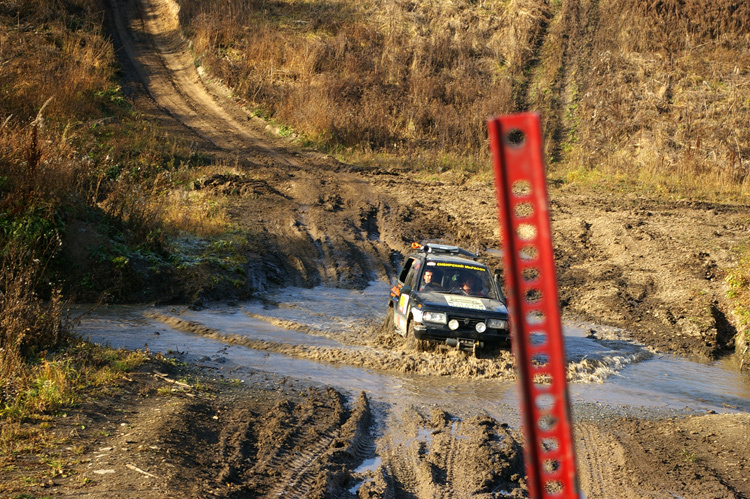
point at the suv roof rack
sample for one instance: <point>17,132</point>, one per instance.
<point>443,249</point>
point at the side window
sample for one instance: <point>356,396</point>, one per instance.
<point>410,277</point>
<point>487,285</point>
<point>405,269</point>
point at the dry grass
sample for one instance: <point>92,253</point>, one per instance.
<point>65,150</point>
<point>183,210</point>
<point>80,142</point>
<point>50,383</point>
<point>38,50</point>
<point>28,324</point>
<point>63,378</point>
<point>386,75</point>
<point>653,92</point>
<point>666,98</point>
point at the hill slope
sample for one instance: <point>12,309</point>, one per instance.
<point>651,266</point>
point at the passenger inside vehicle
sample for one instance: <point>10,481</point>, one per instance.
<point>430,281</point>
<point>472,285</point>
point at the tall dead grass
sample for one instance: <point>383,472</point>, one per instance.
<point>69,146</point>
<point>37,170</point>
<point>35,177</point>
<point>29,324</point>
<point>43,58</point>
<point>652,91</point>
<point>666,98</point>
<point>388,75</point>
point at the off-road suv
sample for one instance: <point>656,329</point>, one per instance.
<point>445,294</point>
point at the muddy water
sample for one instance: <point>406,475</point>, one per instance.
<point>608,373</point>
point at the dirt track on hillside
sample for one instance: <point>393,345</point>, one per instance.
<point>653,268</point>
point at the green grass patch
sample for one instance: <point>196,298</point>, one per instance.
<point>52,381</point>
<point>738,295</point>
<point>738,283</point>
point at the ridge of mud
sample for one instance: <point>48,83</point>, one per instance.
<point>443,456</point>
<point>445,362</point>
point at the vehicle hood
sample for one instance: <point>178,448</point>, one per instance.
<point>450,301</point>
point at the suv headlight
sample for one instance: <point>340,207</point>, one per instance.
<point>497,324</point>
<point>438,317</point>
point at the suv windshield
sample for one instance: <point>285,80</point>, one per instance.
<point>455,278</point>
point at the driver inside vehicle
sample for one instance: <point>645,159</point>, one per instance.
<point>430,281</point>
<point>470,286</point>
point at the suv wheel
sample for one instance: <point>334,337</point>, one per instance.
<point>412,343</point>
<point>387,327</point>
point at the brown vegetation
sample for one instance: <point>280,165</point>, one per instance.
<point>667,96</point>
<point>411,77</point>
<point>28,324</point>
<point>70,150</point>
<point>653,92</point>
<point>632,92</point>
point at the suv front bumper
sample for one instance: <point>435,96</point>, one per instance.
<point>466,331</point>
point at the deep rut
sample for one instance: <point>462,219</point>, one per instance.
<point>449,458</point>
<point>307,448</point>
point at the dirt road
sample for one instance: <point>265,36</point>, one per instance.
<point>654,268</point>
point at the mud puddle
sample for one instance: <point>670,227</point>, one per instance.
<point>330,336</point>
<point>437,417</point>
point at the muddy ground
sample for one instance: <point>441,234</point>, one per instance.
<point>181,430</point>
<point>652,267</point>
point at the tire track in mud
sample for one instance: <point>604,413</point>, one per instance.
<point>296,449</point>
<point>299,471</point>
<point>449,458</point>
<point>624,461</point>
<point>451,476</point>
<point>593,459</point>
<point>453,480</point>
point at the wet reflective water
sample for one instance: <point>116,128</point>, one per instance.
<point>607,370</point>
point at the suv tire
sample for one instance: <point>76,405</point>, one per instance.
<point>412,343</point>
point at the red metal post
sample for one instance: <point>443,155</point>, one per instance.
<point>531,287</point>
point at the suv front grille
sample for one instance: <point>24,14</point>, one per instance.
<point>465,322</point>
